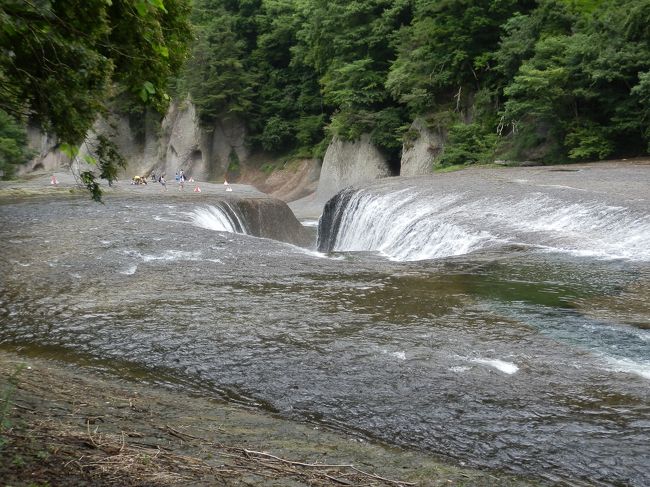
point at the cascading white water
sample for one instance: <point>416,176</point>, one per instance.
<point>411,224</point>
<point>217,218</point>
<point>403,226</point>
<point>586,228</point>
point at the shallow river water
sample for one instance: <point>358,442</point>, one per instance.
<point>511,357</point>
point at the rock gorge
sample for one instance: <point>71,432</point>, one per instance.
<point>221,151</point>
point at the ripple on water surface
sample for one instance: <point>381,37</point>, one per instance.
<point>495,358</point>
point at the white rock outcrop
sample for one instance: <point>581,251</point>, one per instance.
<point>178,142</point>
<point>347,163</point>
<point>420,154</point>
<point>203,153</point>
<point>46,157</point>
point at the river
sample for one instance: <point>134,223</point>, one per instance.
<point>507,328</point>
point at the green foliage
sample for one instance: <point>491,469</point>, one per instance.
<point>310,130</point>
<point>521,33</point>
<point>13,145</point>
<point>447,47</point>
<point>468,144</point>
<point>277,134</point>
<point>243,65</point>
<point>588,142</point>
<point>218,81</point>
<point>540,87</point>
<point>540,79</point>
<point>60,62</point>
<point>585,83</point>
<point>353,84</point>
<point>109,158</point>
<point>388,130</point>
<point>350,124</point>
<point>233,161</point>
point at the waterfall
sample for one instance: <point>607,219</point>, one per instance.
<point>222,218</point>
<point>416,223</point>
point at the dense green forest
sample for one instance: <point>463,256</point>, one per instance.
<point>549,80</point>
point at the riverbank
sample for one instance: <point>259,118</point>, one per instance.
<point>67,425</point>
<point>62,183</point>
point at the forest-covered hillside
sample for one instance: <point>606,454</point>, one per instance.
<point>546,79</point>
<point>550,80</point>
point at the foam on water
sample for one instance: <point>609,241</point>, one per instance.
<point>640,368</point>
<point>173,255</point>
<point>129,271</point>
<point>590,228</point>
<point>459,368</point>
<point>309,223</point>
<point>313,253</point>
<point>403,227</point>
<point>505,367</point>
<point>167,255</point>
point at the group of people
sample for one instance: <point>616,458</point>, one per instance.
<point>180,179</point>
<point>139,180</point>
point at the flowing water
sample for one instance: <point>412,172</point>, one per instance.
<point>505,332</point>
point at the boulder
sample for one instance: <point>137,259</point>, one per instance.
<point>270,218</point>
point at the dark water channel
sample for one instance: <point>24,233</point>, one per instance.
<point>511,358</point>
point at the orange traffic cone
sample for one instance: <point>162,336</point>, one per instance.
<point>197,189</point>
<point>54,182</point>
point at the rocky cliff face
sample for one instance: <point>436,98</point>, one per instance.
<point>176,143</point>
<point>203,153</point>
<point>420,152</point>
<point>179,142</point>
<point>46,158</point>
<point>347,163</point>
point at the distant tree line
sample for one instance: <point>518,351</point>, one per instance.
<point>551,80</point>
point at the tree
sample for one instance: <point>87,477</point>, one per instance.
<point>62,61</point>
<point>217,79</point>
<point>349,45</point>
<point>447,50</point>
<point>13,142</point>
<point>583,81</point>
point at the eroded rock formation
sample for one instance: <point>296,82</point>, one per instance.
<point>270,218</point>
<point>420,150</point>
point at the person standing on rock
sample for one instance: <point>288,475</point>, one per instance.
<point>162,181</point>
